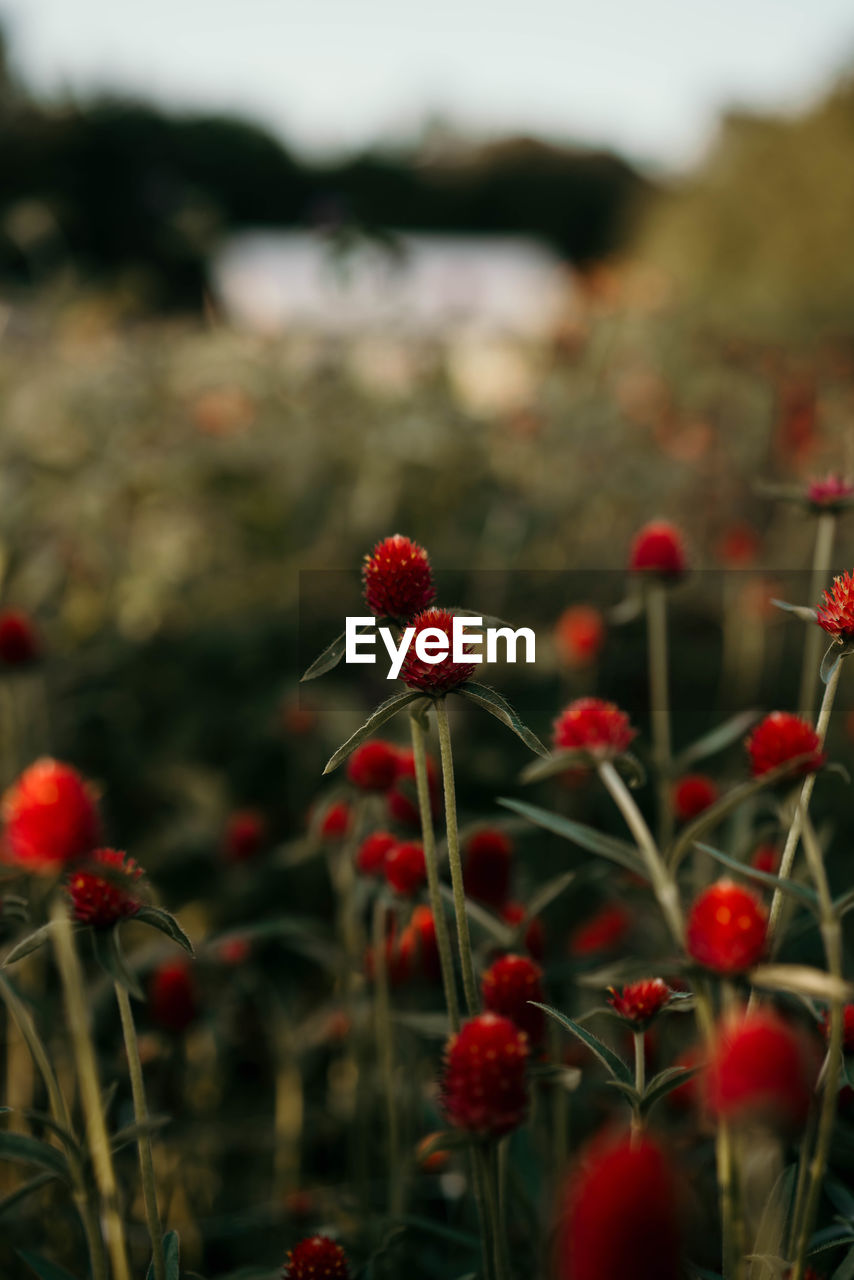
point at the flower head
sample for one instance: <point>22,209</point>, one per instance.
<point>847,1028</point>
<point>401,798</point>
<point>824,494</point>
<point>640,1002</point>
<point>514,913</point>
<point>336,821</point>
<point>397,579</point>
<point>508,986</point>
<point>486,865</point>
<point>103,901</point>
<point>373,765</point>
<point>603,931</point>
<point>483,1085</point>
<point>440,676</point>
<point>590,724</point>
<point>404,867</point>
<point>419,951</point>
<point>658,549</point>
<point>766,857</point>
<point>781,737</point>
<point>726,928</point>
<point>19,645</point>
<point>50,816</point>
<point>371,854</point>
<point>245,834</point>
<point>836,614</point>
<point>317,1258</point>
<point>763,1068</point>
<point>579,635</point>
<point>693,794</point>
<point>172,996</point>
<point>738,546</point>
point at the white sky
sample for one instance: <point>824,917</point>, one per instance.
<point>645,76</point>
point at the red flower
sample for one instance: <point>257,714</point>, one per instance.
<point>535,933</point>
<point>486,865</point>
<point>397,579</point>
<point>738,546</point>
<point>766,857</point>
<point>405,868</point>
<point>726,928</point>
<point>579,635</point>
<point>621,1215</point>
<point>761,1068</point>
<point>828,492</point>
<point>50,817</point>
<point>234,951</point>
<point>419,950</point>
<point>245,834</point>
<point>434,677</point>
<point>836,615</point>
<point>483,1086</point>
<point>373,765</point>
<point>398,964</point>
<point>371,854</point>
<point>402,800</point>
<point>692,794</point>
<point>172,995</point>
<point>317,1258</point>
<point>336,821</point>
<point>19,644</point>
<point>604,931</point>
<point>590,724</point>
<point>847,1028</point>
<point>103,902</point>
<point>782,737</point>
<point>640,1002</point>
<point>658,549</point>
<point>687,1095</point>
<point>507,987</point>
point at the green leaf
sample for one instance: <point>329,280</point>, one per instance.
<point>26,1189</point>
<point>433,1026</point>
<point>717,739</point>
<point>65,1135</point>
<point>845,1270</point>
<point>43,1267</point>
<point>628,1089</point>
<point>329,659</point>
<point>833,657</point>
<point>631,769</point>
<point>27,945</point>
<point>109,956</point>
<point>802,611</point>
<point>557,763</point>
<point>579,834</point>
<point>378,717</point>
<point>451,1234</point>
<point>830,1238</point>
<point>801,891</point>
<point>801,980</point>
<point>665,1082</point>
<point>157,918</point>
<point>501,932</point>
<point>545,896</point>
<point>612,1061</point>
<point>497,705</point>
<point>133,1132</point>
<point>171,1249</point>
<point>22,1149</point>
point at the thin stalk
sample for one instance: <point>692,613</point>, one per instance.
<point>724,1155</point>
<point>79,1028</point>
<point>659,696</point>
<point>560,1113</point>
<point>428,837</point>
<point>496,1234</point>
<point>385,1054</point>
<point>640,1085</point>
<point>454,860</point>
<point>825,534</point>
<point>143,1142</point>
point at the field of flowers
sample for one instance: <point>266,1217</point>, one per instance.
<point>534,971</point>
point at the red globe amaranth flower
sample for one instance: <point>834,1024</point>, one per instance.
<point>836,614</point>
<point>172,996</point>
<point>847,1028</point>
<point>436,677</point>
<point>640,1002</point>
<point>298,719</point>
<point>621,1214</point>
<point>245,834</point>
<point>738,546</point>
<point>766,857</point>
<point>579,635</point>
<point>781,737</point>
<point>604,931</point>
<point>590,724</point>
<point>405,868</point>
<point>371,854</point>
<point>419,950</point>
<point>486,866</point>
<point>483,1085</point>
<point>19,644</point>
<point>692,795</point>
<point>535,931</point>
<point>234,951</point>
<point>726,928</point>
<point>50,818</point>
<point>397,579</point>
<point>761,1068</point>
<point>373,765</point>
<point>335,822</point>
<point>658,549</point>
<point>507,987</point>
<point>100,901</point>
<point>402,798</point>
<point>826,493</point>
<point>317,1258</point>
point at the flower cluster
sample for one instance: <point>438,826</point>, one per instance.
<point>483,1085</point>
<point>595,726</point>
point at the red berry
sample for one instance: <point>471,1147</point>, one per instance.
<point>766,857</point>
<point>397,579</point>
<point>761,1068</point>
<point>658,549</point>
<point>483,1086</point>
<point>692,795</point>
<point>579,635</point>
<point>836,613</point>
<point>507,987</point>
<point>373,766</point>
<point>604,931</point>
<point>335,823</point>
<point>640,1002</point>
<point>402,799</point>
<point>486,866</point>
<point>19,644</point>
<point>173,1000</point>
<point>50,818</point>
<point>782,737</point>
<point>317,1258</point>
<point>419,950</point>
<point>102,902</point>
<point>245,834</point>
<point>405,868</point>
<point>535,933</point>
<point>590,724</point>
<point>726,928</point>
<point>371,854</point>
<point>434,677</point>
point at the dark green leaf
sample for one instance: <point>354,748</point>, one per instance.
<point>23,1149</point>
<point>433,1026</point>
<point>612,1061</point>
<point>30,943</point>
<point>830,1238</point>
<point>171,1250</point>
<point>802,611</point>
<point>801,891</point>
<point>329,659</point>
<point>833,657</point>
<point>579,834</point>
<point>133,1132</point>
<point>545,896</point>
<point>501,932</point>
<point>717,739</point>
<point>665,1082</point>
<point>845,1270</point>
<point>557,763</point>
<point>157,918</point>
<point>378,717</point>
<point>26,1189</point>
<point>109,956</point>
<point>43,1267</point>
<point>65,1135</point>
<point>433,1228</point>
<point>631,769</point>
<point>497,705</point>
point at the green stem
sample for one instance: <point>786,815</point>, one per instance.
<point>659,694</point>
<point>640,1084</point>
<point>428,837</point>
<point>724,1157</point>
<point>825,534</point>
<point>385,1054</point>
<point>454,860</point>
<point>143,1142</point>
<point>495,1225</point>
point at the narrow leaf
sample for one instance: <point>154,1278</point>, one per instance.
<point>845,1270</point>
<point>801,980</point>
<point>378,717</point>
<point>802,611</point>
<point>27,945</point>
<point>833,657</point>
<point>579,834</point>
<point>157,918</point>
<point>612,1061</point>
<point>717,739</point>
<point>26,1189</point>
<point>329,659</point>
<point>546,895</point>
<point>22,1149</point>
<point>43,1267</point>
<point>556,763</point>
<point>801,891</point>
<point>499,930</point>
<point>497,705</point>
<point>665,1082</point>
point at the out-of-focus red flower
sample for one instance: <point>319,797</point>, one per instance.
<point>590,724</point>
<point>692,795</point>
<point>513,913</point>
<point>579,635</point>
<point>234,951</point>
<point>172,996</point>
<point>836,614</point>
<point>621,1214</point>
<point>373,765</point>
<point>486,865</point>
<point>405,868</point>
<point>298,719</point>
<point>398,964</point>
<point>245,834</point>
<point>507,987</point>
<point>483,1085</point>
<point>604,931</point>
<point>825,493</point>
<point>781,737</point>
<point>658,549</point>
<point>738,546</point>
<point>847,1028</point>
<point>100,901</point>
<point>436,677</point>
<point>761,1068</point>
<point>336,821</point>
<point>418,947</point>
<point>371,854</point>
<point>19,644</point>
<point>317,1258</point>
<point>397,579</point>
<point>766,857</point>
<point>435,1161</point>
<point>223,411</point>
<point>687,1095</point>
<point>402,800</point>
<point>640,1002</point>
<point>727,928</point>
<point>300,1203</point>
<point>50,818</point>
